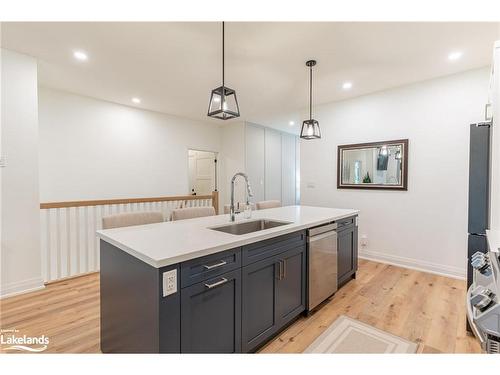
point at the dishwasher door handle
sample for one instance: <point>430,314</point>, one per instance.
<point>321,236</point>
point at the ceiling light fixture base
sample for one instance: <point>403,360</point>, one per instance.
<point>310,63</point>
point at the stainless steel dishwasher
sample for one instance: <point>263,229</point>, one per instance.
<point>322,247</point>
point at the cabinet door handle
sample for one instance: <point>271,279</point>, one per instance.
<point>284,268</point>
<point>281,274</point>
<point>279,269</point>
<point>220,282</point>
<point>212,266</point>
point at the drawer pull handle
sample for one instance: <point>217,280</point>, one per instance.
<point>220,282</point>
<point>212,266</point>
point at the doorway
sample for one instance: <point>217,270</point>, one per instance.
<point>202,172</point>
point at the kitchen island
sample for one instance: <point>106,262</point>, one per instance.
<point>186,286</point>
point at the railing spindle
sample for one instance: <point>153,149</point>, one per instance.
<point>49,257</point>
<point>68,242</point>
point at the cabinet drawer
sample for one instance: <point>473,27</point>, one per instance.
<point>267,248</point>
<point>346,222</point>
<point>201,269</point>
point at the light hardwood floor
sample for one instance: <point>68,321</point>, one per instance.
<point>424,308</point>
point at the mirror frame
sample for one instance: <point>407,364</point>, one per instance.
<point>404,166</point>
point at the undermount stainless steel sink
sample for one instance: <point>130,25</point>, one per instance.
<point>249,226</point>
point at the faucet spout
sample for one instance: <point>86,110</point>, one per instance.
<point>249,193</point>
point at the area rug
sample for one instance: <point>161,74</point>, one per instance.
<point>347,335</point>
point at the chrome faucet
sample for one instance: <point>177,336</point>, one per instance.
<point>249,193</point>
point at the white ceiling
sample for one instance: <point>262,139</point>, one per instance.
<point>173,66</point>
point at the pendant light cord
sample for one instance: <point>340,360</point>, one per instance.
<point>310,91</point>
<point>223,56</point>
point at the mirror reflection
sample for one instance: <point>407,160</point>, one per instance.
<point>373,165</point>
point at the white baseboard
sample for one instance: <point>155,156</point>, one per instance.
<point>25,286</point>
<point>415,264</point>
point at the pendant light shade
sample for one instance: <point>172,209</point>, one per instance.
<point>310,128</point>
<point>223,102</point>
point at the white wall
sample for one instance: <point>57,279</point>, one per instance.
<point>92,149</point>
<point>20,219</point>
<point>426,226</point>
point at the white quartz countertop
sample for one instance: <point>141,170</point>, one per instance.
<point>172,242</point>
<point>493,237</point>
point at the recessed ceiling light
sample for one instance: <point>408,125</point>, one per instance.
<point>347,85</point>
<point>80,55</point>
<point>291,123</point>
<point>455,55</point>
<point>136,100</point>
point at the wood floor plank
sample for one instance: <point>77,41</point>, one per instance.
<point>421,307</point>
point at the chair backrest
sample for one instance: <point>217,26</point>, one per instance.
<point>267,204</point>
<point>131,218</point>
<point>192,212</point>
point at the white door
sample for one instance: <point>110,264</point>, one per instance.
<point>201,172</point>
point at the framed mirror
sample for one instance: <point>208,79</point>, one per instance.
<point>375,165</point>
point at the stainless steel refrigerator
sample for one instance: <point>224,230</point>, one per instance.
<point>479,196</point>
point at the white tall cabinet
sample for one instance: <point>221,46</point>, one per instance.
<point>289,169</point>
<point>255,160</point>
<point>271,164</point>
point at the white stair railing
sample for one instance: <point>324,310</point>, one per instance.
<point>69,244</point>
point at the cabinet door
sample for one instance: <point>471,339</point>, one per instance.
<point>291,286</point>
<point>259,300</point>
<point>211,315</point>
<point>254,160</point>
<point>289,166</point>
<point>347,252</point>
<point>272,165</point>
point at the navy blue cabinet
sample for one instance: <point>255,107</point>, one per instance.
<point>273,294</point>
<point>228,302</point>
<point>211,315</point>
<point>259,285</point>
<point>347,247</point>
<point>291,294</point>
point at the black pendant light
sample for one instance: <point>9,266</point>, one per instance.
<point>223,102</point>
<point>310,128</point>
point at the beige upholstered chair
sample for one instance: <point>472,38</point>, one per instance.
<point>131,218</point>
<point>268,204</point>
<point>192,212</point>
<point>228,206</point>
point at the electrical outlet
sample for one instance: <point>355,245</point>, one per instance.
<point>169,282</point>
<point>364,240</point>
<point>311,185</point>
